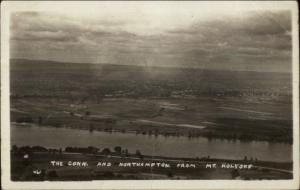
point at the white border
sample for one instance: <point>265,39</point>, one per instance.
<point>7,7</point>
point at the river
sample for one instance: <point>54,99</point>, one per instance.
<point>52,137</point>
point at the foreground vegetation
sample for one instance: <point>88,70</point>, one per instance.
<point>35,164</point>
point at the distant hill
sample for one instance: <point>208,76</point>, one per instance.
<point>36,61</point>
<point>37,76</point>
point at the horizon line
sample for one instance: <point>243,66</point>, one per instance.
<point>152,66</point>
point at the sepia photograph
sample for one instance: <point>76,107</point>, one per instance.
<point>153,92</point>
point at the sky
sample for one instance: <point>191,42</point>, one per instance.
<point>230,36</point>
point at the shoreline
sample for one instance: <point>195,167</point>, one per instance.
<point>113,130</point>
<point>97,166</point>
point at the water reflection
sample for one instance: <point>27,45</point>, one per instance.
<point>174,146</point>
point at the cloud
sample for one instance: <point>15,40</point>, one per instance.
<point>224,42</point>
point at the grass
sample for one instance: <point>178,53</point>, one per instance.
<point>22,171</point>
<point>126,115</point>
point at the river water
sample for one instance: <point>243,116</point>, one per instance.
<point>52,137</point>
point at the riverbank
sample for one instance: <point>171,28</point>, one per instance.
<point>152,145</point>
<point>31,164</point>
<point>202,117</point>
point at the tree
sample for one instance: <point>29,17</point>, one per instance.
<point>106,151</point>
<point>14,149</point>
<point>126,152</point>
<point>40,120</point>
<point>24,120</point>
<point>139,154</point>
<point>38,149</point>
<point>118,149</point>
<point>68,149</point>
<point>92,149</point>
<point>91,128</point>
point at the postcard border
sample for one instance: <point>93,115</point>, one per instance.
<point>7,7</point>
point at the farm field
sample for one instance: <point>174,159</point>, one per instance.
<point>130,99</point>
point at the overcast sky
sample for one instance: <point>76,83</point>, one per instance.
<point>167,34</point>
